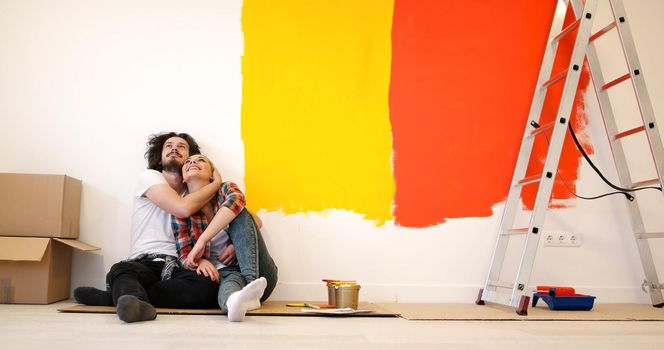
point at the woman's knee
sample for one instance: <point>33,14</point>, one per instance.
<point>242,219</point>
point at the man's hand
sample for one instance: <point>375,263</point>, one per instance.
<point>206,268</point>
<point>227,257</point>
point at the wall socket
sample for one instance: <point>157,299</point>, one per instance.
<point>561,239</point>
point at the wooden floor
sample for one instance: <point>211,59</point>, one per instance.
<point>43,327</point>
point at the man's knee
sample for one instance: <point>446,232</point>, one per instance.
<point>133,270</point>
<point>122,268</point>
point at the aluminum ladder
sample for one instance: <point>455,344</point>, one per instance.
<point>515,292</point>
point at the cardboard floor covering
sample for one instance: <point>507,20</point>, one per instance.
<point>268,308</point>
<point>470,311</point>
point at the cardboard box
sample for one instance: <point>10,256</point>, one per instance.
<point>36,270</point>
<point>39,205</point>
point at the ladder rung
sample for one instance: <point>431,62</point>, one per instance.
<point>558,77</point>
<point>543,128</point>
<point>616,82</point>
<point>529,180</point>
<point>650,235</point>
<point>567,30</point>
<point>603,31</point>
<point>629,132</point>
<point>499,284</point>
<point>516,231</point>
<point>645,183</point>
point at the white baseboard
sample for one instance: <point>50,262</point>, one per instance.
<point>418,293</point>
<point>427,293</point>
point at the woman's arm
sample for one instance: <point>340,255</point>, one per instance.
<point>223,217</point>
<point>232,202</point>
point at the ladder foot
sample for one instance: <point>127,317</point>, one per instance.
<point>660,305</point>
<point>479,300</point>
<point>523,306</point>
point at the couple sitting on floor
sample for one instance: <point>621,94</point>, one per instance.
<point>193,242</point>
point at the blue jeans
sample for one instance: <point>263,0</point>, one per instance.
<point>253,260</point>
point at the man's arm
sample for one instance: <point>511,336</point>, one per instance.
<point>165,197</point>
<point>207,268</point>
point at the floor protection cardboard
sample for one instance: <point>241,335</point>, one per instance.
<point>600,312</point>
<point>268,308</point>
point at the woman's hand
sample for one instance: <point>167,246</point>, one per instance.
<point>227,257</point>
<point>206,268</point>
<point>194,256</point>
<point>216,175</point>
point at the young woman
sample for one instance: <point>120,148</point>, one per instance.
<point>203,243</point>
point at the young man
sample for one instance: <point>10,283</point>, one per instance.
<point>151,276</point>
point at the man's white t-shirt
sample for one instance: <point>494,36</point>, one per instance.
<point>151,231</point>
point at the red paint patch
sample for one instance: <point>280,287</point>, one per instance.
<point>463,76</point>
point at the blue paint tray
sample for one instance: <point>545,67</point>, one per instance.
<point>565,302</point>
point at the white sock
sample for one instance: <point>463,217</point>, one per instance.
<point>249,298</point>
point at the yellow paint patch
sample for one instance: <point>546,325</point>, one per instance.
<point>315,119</point>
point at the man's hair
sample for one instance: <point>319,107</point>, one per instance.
<point>156,145</point>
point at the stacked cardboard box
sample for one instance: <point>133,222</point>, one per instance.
<point>39,224</point>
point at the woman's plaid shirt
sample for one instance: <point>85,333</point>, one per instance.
<point>188,230</point>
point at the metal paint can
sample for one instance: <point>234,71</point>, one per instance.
<point>330,294</point>
<point>346,296</point>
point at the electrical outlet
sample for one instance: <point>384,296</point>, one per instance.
<point>562,239</point>
<point>549,239</point>
<point>574,240</point>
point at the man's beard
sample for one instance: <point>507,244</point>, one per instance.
<point>172,165</point>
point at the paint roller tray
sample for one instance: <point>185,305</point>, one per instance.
<point>565,302</point>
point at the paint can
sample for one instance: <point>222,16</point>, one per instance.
<point>330,294</point>
<point>347,295</point>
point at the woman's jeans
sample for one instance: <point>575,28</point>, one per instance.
<point>252,256</point>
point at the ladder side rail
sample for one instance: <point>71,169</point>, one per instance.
<point>553,154</point>
<point>539,95</point>
<point>546,67</point>
<point>655,142</point>
<point>608,117</point>
<point>525,150</point>
<point>640,89</point>
<point>622,169</point>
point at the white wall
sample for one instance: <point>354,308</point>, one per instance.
<point>84,82</point>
